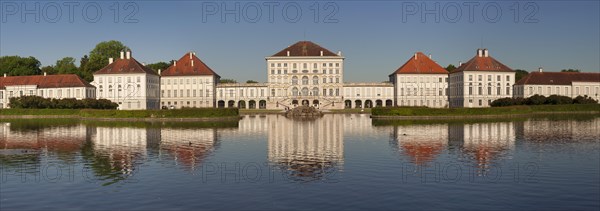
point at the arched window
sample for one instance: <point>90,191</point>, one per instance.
<point>498,88</point>
<point>295,80</point>
<point>304,80</point>
<point>315,91</point>
<point>315,80</point>
<point>304,91</point>
<point>295,91</point>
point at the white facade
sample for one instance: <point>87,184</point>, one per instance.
<point>188,91</point>
<point>428,90</point>
<point>591,89</point>
<point>245,96</point>
<point>136,88</point>
<point>368,95</point>
<point>479,88</point>
<point>297,80</point>
<point>62,91</point>
<point>131,91</point>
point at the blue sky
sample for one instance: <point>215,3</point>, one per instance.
<point>376,37</point>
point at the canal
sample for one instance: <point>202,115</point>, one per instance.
<point>339,161</point>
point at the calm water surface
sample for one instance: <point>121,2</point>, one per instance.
<point>345,161</point>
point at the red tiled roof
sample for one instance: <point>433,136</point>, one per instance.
<point>48,81</point>
<point>184,67</point>
<point>483,63</point>
<point>420,64</point>
<point>305,48</point>
<point>558,78</point>
<point>125,66</point>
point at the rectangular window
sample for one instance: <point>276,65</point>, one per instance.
<point>489,78</point>
<point>470,77</point>
<point>479,77</point>
<point>508,78</point>
<point>498,78</point>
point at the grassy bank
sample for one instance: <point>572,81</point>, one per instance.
<point>91,113</point>
<point>261,111</point>
<point>511,110</point>
<point>351,110</point>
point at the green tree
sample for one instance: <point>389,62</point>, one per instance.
<point>251,82</point>
<point>16,65</point>
<point>520,74</point>
<point>450,68</point>
<point>100,54</point>
<point>158,66</point>
<point>227,81</point>
<point>66,66</point>
<point>84,71</point>
<point>570,70</point>
<point>49,69</point>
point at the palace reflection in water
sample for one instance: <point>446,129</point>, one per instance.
<point>304,150</point>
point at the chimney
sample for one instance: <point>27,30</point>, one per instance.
<point>144,63</point>
<point>429,56</point>
<point>485,52</point>
<point>175,63</point>
<point>5,75</point>
<point>459,63</point>
<point>192,62</point>
<point>110,60</point>
<point>415,56</point>
<point>339,53</point>
<point>122,55</point>
<point>321,53</point>
<point>159,71</point>
<point>540,69</point>
<point>128,54</point>
<point>191,55</point>
<point>479,53</point>
<point>44,73</point>
<point>288,53</point>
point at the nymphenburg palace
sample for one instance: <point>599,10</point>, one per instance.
<point>302,74</point>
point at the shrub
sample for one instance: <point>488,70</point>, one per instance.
<point>503,102</point>
<point>584,100</point>
<point>535,100</point>
<point>36,102</point>
<point>557,99</point>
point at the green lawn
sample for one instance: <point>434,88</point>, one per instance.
<point>422,111</point>
<point>177,113</point>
